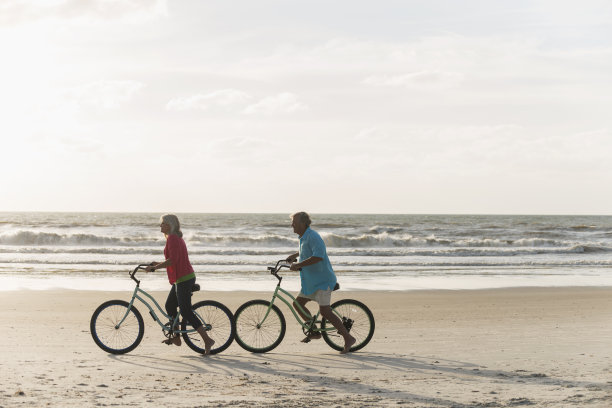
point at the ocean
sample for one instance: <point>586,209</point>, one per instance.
<point>41,251</point>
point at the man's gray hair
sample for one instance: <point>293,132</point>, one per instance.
<point>302,217</point>
<point>173,221</point>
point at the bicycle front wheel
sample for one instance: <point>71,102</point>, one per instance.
<point>221,322</point>
<point>358,320</point>
<point>255,334</point>
<point>109,334</point>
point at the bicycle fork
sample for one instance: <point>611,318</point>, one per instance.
<point>259,324</point>
<point>129,308</point>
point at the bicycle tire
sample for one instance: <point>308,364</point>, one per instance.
<point>358,317</point>
<point>223,327</point>
<point>106,334</point>
<point>251,335</point>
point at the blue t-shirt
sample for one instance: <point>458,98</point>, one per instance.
<point>319,276</point>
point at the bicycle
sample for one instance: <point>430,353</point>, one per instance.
<point>117,326</point>
<point>260,324</point>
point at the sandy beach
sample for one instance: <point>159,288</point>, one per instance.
<point>489,348</point>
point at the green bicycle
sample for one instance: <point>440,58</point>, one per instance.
<point>260,324</point>
<point>117,326</point>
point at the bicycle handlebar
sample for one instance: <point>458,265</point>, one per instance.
<point>279,265</point>
<point>133,273</point>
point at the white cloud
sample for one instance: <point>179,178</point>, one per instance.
<point>226,99</point>
<point>231,99</point>
<point>420,79</point>
<point>83,145</point>
<point>14,12</point>
<point>521,90</point>
<point>237,146</point>
<point>371,134</point>
<point>105,94</point>
<point>282,103</point>
<point>251,154</point>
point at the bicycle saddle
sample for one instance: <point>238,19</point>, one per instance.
<point>336,287</point>
<point>195,287</point>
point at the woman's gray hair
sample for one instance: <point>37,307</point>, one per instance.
<point>173,221</point>
<point>302,217</point>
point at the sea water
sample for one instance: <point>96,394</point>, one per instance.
<point>367,252</point>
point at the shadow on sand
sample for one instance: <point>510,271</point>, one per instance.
<point>350,366</point>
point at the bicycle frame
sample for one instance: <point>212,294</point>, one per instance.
<point>135,295</point>
<point>308,324</point>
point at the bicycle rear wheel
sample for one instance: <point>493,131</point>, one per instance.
<point>105,329</point>
<point>221,322</point>
<point>358,320</point>
<point>253,333</point>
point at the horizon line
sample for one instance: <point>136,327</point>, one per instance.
<point>310,212</point>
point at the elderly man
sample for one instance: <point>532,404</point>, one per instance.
<point>317,276</point>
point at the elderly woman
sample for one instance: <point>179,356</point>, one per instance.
<point>181,277</point>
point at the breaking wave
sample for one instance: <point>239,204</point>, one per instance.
<point>230,244</point>
<point>51,238</point>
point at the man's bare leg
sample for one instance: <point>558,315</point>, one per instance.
<point>302,302</point>
<point>328,313</point>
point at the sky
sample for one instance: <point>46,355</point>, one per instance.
<point>432,106</point>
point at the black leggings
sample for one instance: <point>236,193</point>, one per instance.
<point>180,296</point>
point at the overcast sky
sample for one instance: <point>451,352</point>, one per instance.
<point>326,106</point>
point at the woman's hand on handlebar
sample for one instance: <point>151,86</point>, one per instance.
<point>151,267</point>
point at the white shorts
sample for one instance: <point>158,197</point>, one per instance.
<point>322,297</point>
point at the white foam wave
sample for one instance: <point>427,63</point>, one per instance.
<point>145,250</point>
<point>52,238</point>
<point>267,240</point>
<point>374,240</point>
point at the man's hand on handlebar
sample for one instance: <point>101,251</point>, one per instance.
<point>291,259</point>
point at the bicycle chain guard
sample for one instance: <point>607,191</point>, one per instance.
<point>310,327</point>
<point>167,330</point>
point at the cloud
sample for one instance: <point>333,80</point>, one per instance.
<point>420,79</point>
<point>435,149</point>
<point>83,145</point>
<point>240,151</point>
<point>235,145</point>
<point>232,99</point>
<point>226,99</point>
<point>283,103</point>
<point>505,149</point>
<point>105,94</point>
<point>371,134</point>
<point>24,11</point>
